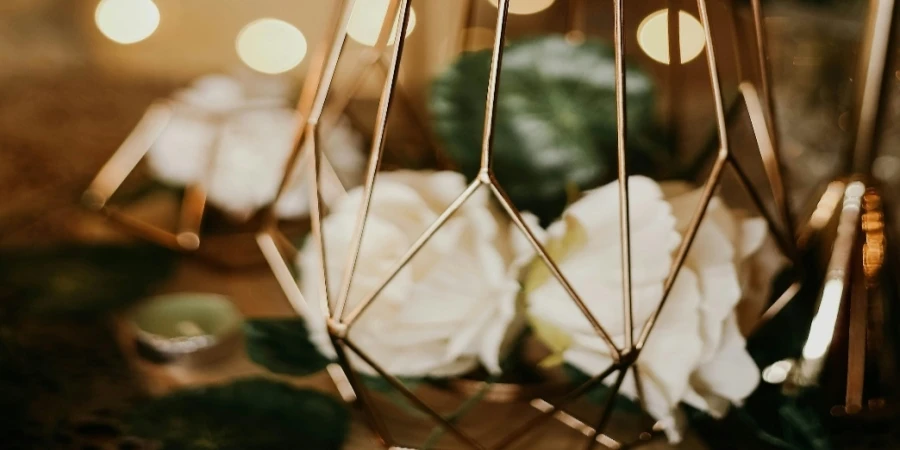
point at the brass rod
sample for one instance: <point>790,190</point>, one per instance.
<point>785,244</point>
<point>856,336</point>
<point>684,248</point>
<point>624,206</point>
<point>284,277</point>
<point>487,142</point>
<point>789,294</point>
<point>516,217</point>
<point>315,204</point>
<point>780,188</point>
<point>375,157</point>
<point>709,188</point>
<point>128,155</point>
<point>412,251</point>
<point>873,65</point>
<point>575,424</point>
<point>191,217</point>
<point>547,413</point>
<point>323,63</point>
<point>376,422</point>
<point>141,229</point>
<point>767,150</point>
<point>607,408</point>
<point>403,390</point>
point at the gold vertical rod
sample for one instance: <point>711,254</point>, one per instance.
<point>607,408</point>
<point>548,412</point>
<point>624,207</point>
<point>487,141</point>
<point>767,151</point>
<point>412,251</point>
<point>326,57</point>
<point>377,151</point>
<point>780,187</point>
<point>315,205</point>
<point>513,214</point>
<point>403,390</point>
<point>856,336</point>
<point>714,176</point>
<point>881,18</point>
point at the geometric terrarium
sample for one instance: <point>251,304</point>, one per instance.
<point>566,275</point>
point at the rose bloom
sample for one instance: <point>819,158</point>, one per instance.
<point>452,307</point>
<point>696,353</point>
<point>238,153</point>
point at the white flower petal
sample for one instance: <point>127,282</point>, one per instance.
<point>729,377</point>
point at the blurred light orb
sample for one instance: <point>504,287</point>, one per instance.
<point>653,36</point>
<point>127,21</point>
<point>271,46</point>
<point>368,17</point>
<point>525,7</point>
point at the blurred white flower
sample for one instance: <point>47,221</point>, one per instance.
<point>236,145</point>
<point>452,307</point>
<point>696,353</point>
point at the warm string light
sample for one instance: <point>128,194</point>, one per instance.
<point>653,36</point>
<point>271,46</point>
<point>127,21</point>
<point>367,19</point>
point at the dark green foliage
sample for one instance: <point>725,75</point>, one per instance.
<point>82,279</point>
<point>556,120</point>
<point>283,346</point>
<point>247,414</point>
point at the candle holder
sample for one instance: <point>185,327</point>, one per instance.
<point>186,328</point>
<point>591,428</point>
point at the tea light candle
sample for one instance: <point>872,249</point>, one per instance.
<point>195,328</point>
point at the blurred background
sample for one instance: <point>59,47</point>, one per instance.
<point>76,75</point>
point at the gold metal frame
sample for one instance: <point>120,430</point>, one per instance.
<point>123,162</point>
<point>340,321</point>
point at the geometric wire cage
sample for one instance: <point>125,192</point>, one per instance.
<point>340,319</point>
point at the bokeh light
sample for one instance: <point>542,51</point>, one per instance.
<point>271,46</point>
<point>127,21</point>
<point>524,7</point>
<point>367,19</point>
<point>653,36</point>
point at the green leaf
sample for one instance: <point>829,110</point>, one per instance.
<point>555,119</point>
<point>283,346</point>
<point>247,414</point>
<point>82,279</point>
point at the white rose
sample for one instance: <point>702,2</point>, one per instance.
<point>452,307</point>
<point>239,155</point>
<point>696,353</point>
